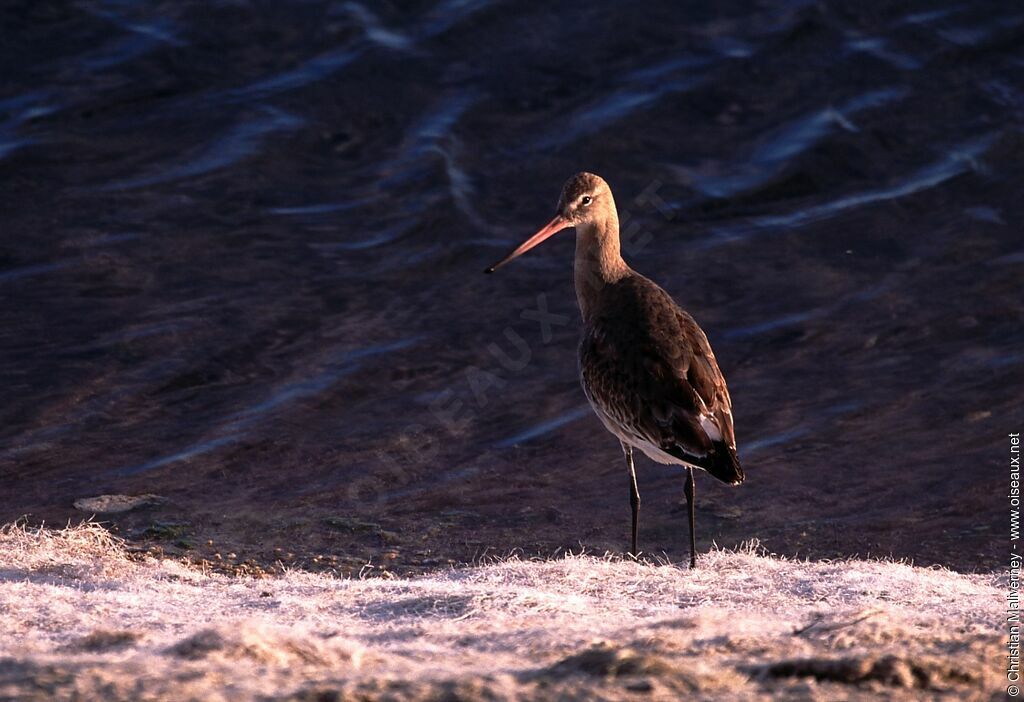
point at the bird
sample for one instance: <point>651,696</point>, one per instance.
<point>646,366</point>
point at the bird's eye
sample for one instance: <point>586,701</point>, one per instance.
<point>586,200</point>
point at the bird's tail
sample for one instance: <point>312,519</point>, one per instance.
<point>724,464</point>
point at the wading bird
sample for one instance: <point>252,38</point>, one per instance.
<point>646,367</point>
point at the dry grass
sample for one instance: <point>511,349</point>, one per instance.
<point>82,620</point>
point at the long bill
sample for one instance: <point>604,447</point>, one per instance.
<point>553,227</point>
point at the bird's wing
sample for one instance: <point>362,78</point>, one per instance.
<point>652,371</point>
<point>705,379</point>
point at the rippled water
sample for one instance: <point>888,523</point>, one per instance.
<point>240,262</point>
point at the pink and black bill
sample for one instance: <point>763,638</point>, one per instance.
<point>550,229</point>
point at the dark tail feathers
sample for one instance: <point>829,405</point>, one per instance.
<point>724,464</point>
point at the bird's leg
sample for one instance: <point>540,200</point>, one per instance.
<point>634,491</point>
<point>688,489</point>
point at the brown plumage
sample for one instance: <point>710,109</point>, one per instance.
<point>646,366</point>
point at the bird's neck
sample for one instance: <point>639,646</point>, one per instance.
<point>598,261</point>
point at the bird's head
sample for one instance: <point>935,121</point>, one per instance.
<point>586,200</point>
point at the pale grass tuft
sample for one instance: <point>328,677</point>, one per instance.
<point>268,645</point>
<point>75,551</point>
<point>744,625</point>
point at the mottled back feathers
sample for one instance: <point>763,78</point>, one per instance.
<point>648,370</point>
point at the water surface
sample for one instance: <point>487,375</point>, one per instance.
<point>242,243</point>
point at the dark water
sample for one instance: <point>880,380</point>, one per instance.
<point>242,242</point>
